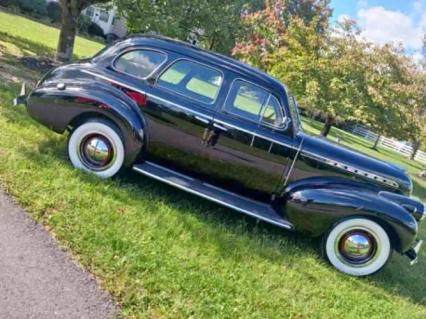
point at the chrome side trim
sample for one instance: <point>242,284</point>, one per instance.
<point>195,192</point>
<point>352,169</point>
<point>294,162</point>
<point>106,78</point>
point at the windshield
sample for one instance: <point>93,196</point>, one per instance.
<point>294,111</point>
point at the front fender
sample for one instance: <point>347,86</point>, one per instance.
<point>59,107</point>
<point>314,210</point>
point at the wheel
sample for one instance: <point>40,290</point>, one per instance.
<point>96,147</point>
<point>357,246</point>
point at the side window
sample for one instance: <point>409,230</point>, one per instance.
<point>193,80</point>
<point>246,100</point>
<point>272,113</point>
<point>139,63</point>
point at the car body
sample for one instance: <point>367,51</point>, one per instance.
<point>219,129</point>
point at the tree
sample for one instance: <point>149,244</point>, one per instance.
<point>332,70</point>
<point>213,23</point>
<point>71,10</point>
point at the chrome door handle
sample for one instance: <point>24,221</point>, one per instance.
<point>220,127</point>
<point>202,119</point>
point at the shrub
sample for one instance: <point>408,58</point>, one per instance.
<point>54,11</point>
<point>33,7</point>
<point>83,24</point>
<point>95,31</point>
<point>7,3</point>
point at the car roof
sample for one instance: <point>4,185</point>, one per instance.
<point>197,53</point>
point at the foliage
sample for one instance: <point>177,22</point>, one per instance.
<point>213,23</point>
<point>83,24</point>
<point>95,30</point>
<point>7,3</point>
<point>53,11</point>
<point>35,7</point>
<point>332,70</point>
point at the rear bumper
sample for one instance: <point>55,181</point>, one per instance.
<point>413,252</point>
<point>22,98</point>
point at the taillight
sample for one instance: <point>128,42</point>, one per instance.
<point>139,98</point>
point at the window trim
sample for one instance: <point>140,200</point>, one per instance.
<point>166,57</point>
<point>283,115</point>
<point>183,95</point>
<point>260,121</point>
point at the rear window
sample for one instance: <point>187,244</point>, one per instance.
<point>139,63</point>
<point>193,80</point>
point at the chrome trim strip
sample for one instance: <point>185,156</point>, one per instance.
<point>192,191</point>
<point>202,119</point>
<point>131,87</point>
<point>293,163</point>
<point>352,169</point>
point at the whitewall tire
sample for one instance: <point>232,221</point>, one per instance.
<point>96,147</point>
<point>357,246</point>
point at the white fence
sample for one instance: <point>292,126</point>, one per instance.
<point>403,148</point>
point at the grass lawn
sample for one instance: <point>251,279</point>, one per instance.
<point>165,254</point>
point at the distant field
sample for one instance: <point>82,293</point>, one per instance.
<point>21,27</point>
<point>163,253</point>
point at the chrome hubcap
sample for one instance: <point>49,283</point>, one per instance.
<point>357,247</point>
<point>96,152</point>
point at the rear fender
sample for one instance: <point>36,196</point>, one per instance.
<point>62,106</point>
<point>315,209</point>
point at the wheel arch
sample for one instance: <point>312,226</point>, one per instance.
<point>315,210</point>
<point>65,109</point>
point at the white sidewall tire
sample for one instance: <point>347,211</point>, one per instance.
<point>383,244</point>
<point>96,127</point>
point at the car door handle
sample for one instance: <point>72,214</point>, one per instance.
<point>220,127</point>
<point>202,119</point>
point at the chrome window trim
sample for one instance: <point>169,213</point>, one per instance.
<point>225,111</point>
<point>283,126</point>
<point>112,64</point>
<point>195,62</point>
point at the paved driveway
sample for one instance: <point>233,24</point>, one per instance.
<point>37,279</point>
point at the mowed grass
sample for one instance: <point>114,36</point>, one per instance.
<point>24,28</point>
<point>165,254</point>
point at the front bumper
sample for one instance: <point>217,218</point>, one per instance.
<point>413,252</point>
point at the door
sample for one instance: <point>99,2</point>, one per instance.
<point>248,160</point>
<point>180,109</point>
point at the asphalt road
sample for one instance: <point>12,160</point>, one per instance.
<point>39,280</point>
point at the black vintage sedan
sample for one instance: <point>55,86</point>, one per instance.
<point>219,129</point>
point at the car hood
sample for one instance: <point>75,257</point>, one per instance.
<point>374,170</point>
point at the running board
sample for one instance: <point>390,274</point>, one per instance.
<point>253,208</point>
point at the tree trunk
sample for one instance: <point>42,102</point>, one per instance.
<point>376,142</point>
<point>70,14</point>
<point>327,125</point>
<point>416,146</point>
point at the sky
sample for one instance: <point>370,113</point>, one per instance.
<point>381,21</point>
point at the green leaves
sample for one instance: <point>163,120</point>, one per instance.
<point>333,71</point>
